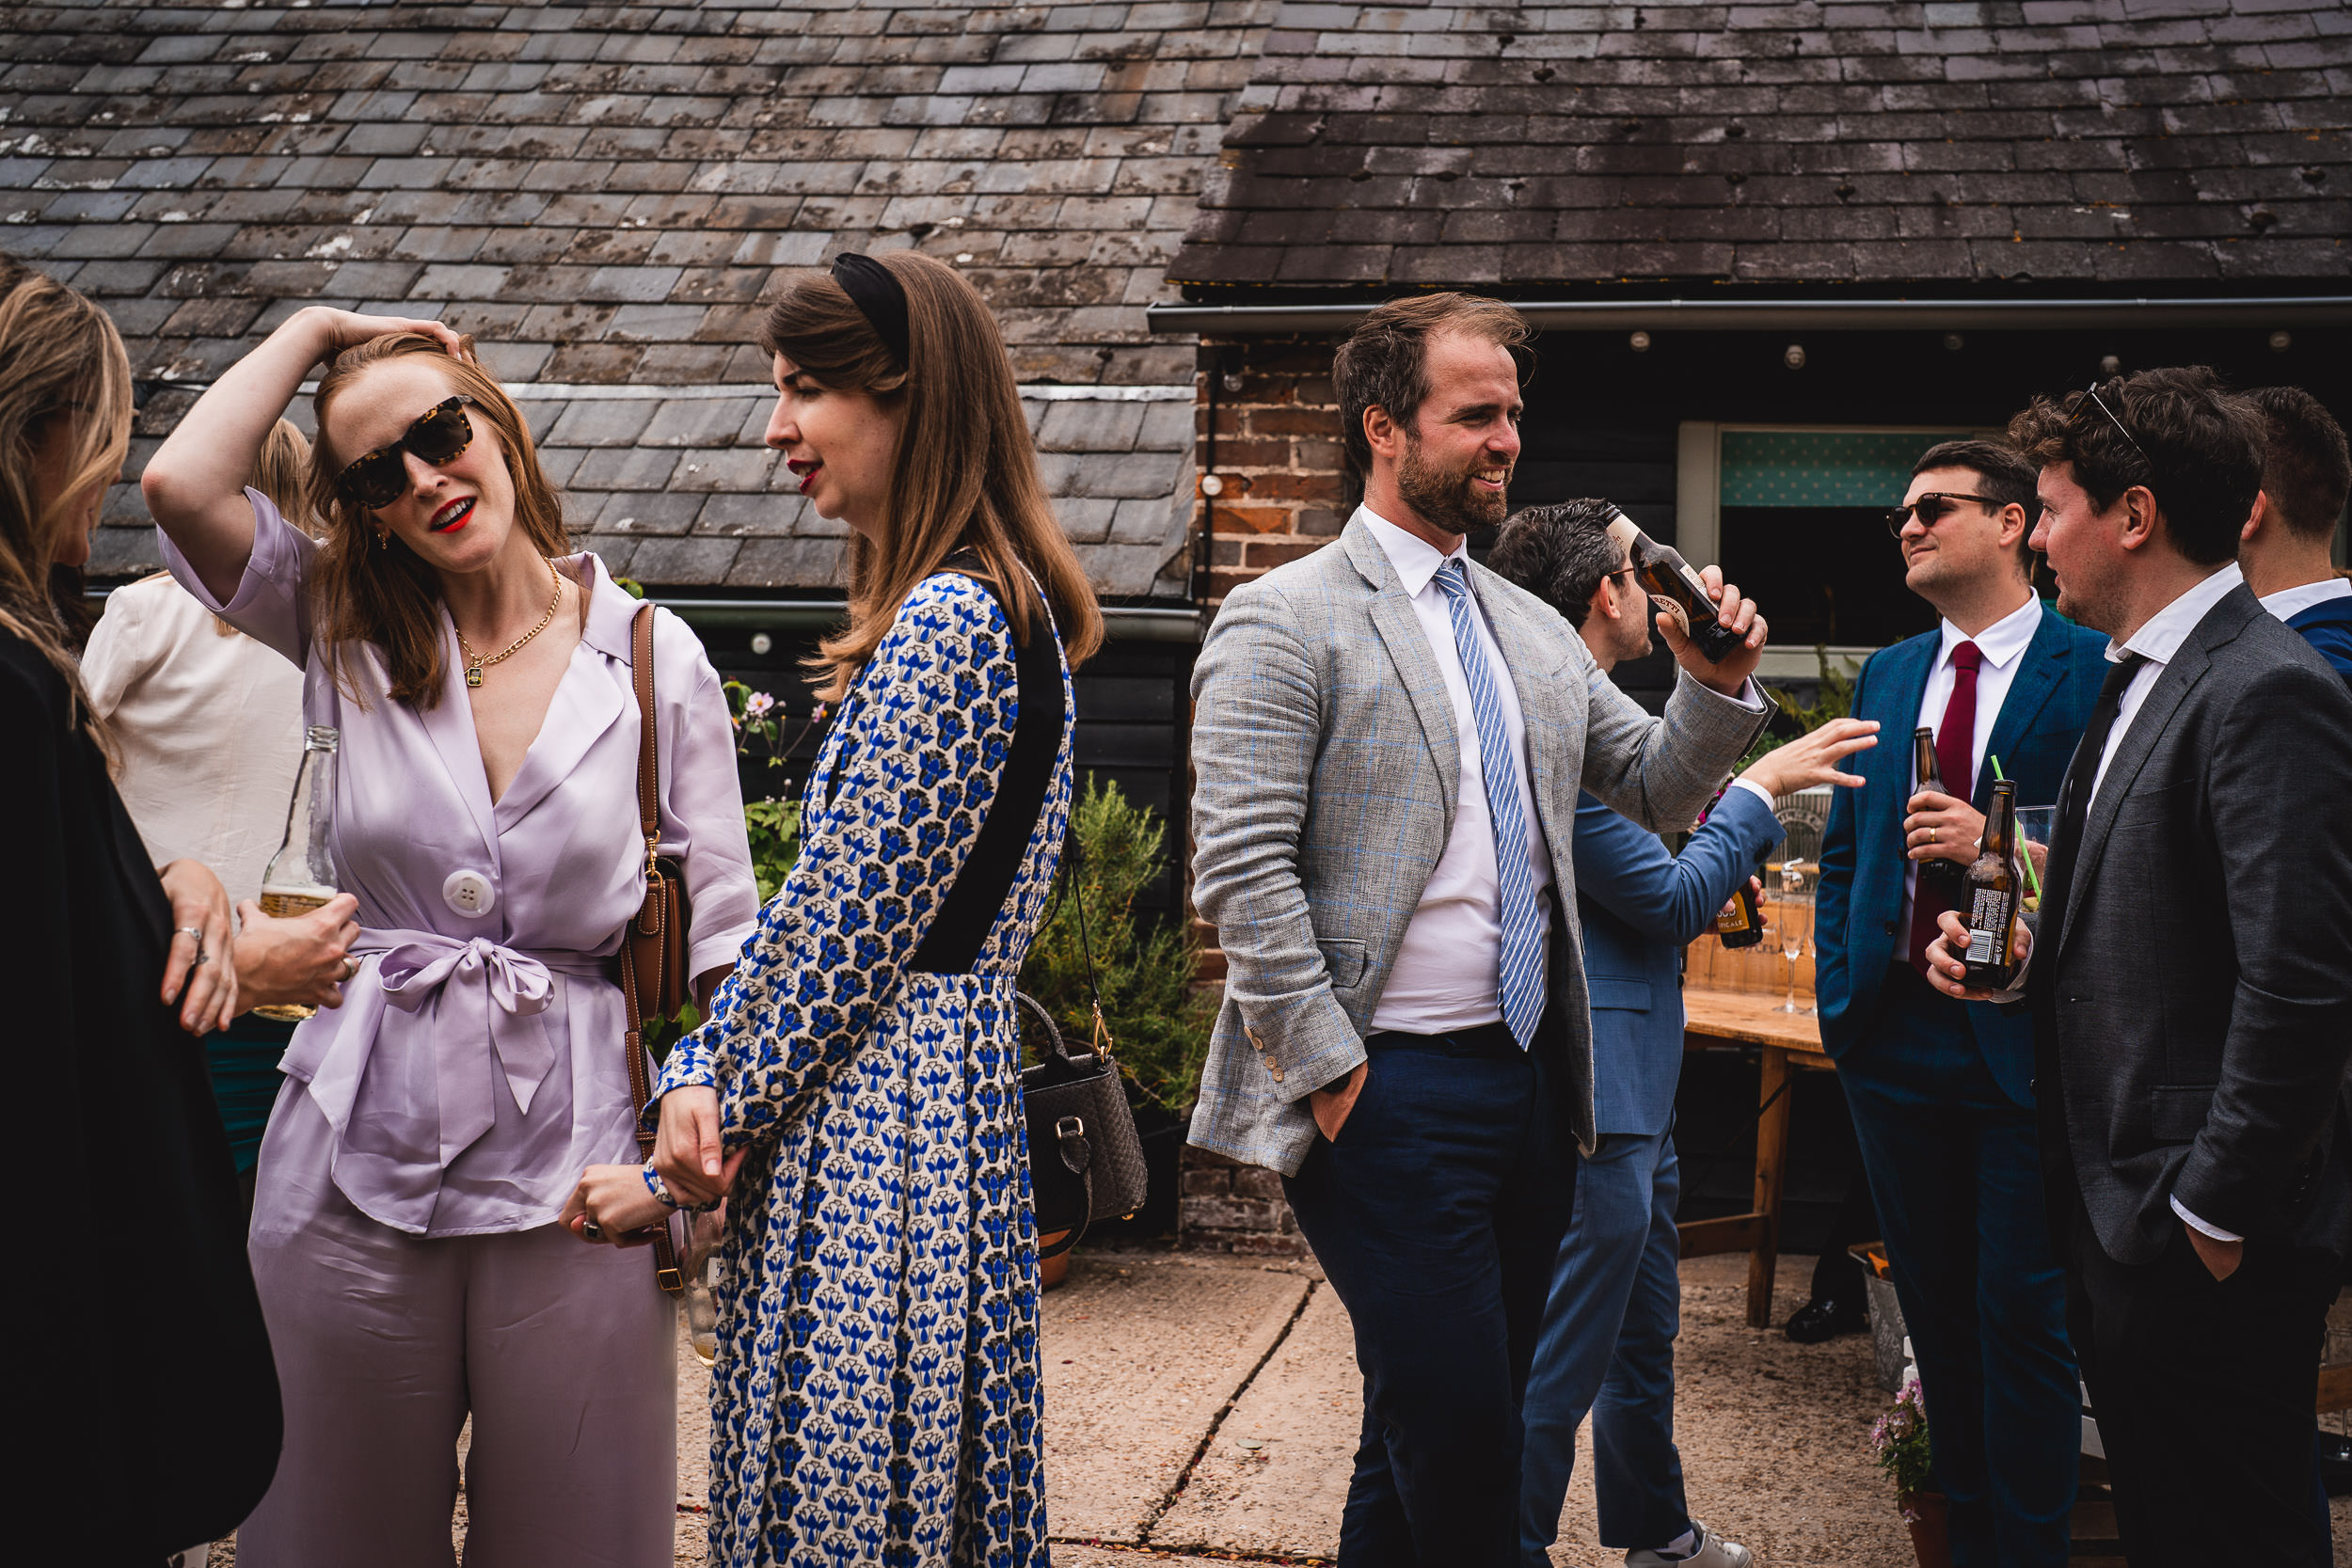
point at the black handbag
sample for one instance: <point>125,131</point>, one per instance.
<point>1086,1162</point>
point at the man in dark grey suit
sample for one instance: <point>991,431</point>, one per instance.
<point>2192,986</point>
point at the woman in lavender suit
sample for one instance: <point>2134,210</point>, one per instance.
<point>431,1128</point>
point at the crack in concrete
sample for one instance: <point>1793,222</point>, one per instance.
<point>1216,1423</point>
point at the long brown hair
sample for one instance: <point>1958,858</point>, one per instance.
<point>60,358</point>
<point>964,475</point>
<point>383,594</point>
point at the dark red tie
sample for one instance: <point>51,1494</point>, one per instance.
<point>1956,760</point>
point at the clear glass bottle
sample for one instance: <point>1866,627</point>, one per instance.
<point>301,876</point>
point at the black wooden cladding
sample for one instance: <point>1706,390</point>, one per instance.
<point>1132,709</point>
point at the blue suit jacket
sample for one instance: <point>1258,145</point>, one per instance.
<point>1861,899</point>
<point>1641,907</point>
<point>2328,627</point>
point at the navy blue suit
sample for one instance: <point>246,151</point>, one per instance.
<point>1942,1095</point>
<point>2328,627</point>
<point>1607,1342</point>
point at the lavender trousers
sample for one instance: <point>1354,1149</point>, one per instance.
<point>563,1353</point>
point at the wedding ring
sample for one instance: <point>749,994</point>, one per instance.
<point>1932,832</point>
<point>195,931</point>
<point>351,966</point>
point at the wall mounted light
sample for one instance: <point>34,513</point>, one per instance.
<point>1212,485</point>
<point>762,642</point>
<point>2110,365</point>
<point>1793,356</point>
<point>2281,341</point>
<point>1638,341</point>
<point>1954,342</point>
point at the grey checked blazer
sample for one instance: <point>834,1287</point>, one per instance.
<point>1326,764</point>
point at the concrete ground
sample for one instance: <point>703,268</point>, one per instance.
<point>1206,1408</point>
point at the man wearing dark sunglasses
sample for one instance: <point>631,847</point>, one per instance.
<point>1941,1091</point>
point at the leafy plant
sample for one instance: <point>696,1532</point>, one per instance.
<point>1898,1445</point>
<point>773,822</point>
<point>1159,1023</point>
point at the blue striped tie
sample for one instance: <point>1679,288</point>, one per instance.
<point>1520,977</point>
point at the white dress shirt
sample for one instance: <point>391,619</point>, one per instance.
<point>210,726</point>
<point>2294,601</point>
<point>2003,645</point>
<point>1446,975</point>
<point>2156,641</point>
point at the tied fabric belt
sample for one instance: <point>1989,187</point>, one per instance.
<point>464,995</point>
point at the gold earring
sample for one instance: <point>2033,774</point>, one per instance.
<point>383,539</point>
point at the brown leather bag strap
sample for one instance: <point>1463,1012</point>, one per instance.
<point>666,1271</point>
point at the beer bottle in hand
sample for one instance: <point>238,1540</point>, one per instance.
<point>301,876</point>
<point>1991,896</point>
<point>1943,875</point>
<point>1671,582</point>
<point>1740,923</point>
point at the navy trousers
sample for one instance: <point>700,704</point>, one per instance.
<point>1437,1216</point>
<point>1607,1348</point>
<point>1955,1168</point>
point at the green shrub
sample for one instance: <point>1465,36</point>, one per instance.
<point>1159,1024</point>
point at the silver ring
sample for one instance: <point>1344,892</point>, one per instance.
<point>351,967</point>
<point>195,931</point>
<point>591,1229</point>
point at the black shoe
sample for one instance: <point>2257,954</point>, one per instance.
<point>2335,1464</point>
<point>1823,1319</point>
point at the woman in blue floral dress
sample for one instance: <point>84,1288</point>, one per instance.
<point>877,1395</point>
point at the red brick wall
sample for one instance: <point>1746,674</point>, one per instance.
<point>1235,1207</point>
<point>1276,455</point>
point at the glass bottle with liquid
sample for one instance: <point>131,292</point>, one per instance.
<point>1993,887</point>
<point>301,876</point>
<point>1676,587</point>
<point>1946,877</point>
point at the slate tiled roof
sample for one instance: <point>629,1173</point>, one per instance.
<point>605,194</point>
<point>2126,144</point>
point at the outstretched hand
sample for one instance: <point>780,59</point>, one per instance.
<point>1731,676</point>
<point>1813,758</point>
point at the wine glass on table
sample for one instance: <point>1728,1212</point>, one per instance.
<point>1795,923</point>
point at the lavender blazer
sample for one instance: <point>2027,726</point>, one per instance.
<point>475,1066</point>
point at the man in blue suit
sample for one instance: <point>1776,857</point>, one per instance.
<point>2284,548</point>
<point>1607,1341</point>
<point>1942,1091</point>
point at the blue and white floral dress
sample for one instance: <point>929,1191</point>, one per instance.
<point>876,1392</point>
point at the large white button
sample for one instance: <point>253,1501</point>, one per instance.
<point>469,893</point>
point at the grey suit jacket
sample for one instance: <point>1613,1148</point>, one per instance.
<point>2198,1014</point>
<point>1327,768</point>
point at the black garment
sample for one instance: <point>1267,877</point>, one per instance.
<point>2192,997</point>
<point>2204,1389</point>
<point>151,1360</point>
<point>1437,1216</point>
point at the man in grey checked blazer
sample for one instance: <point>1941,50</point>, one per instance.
<point>1389,742</point>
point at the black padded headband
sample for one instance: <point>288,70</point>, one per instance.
<point>879,297</point>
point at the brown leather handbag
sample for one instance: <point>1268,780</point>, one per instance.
<point>653,981</point>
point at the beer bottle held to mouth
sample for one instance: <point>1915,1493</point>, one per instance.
<point>1674,586</point>
<point>1946,876</point>
<point>1992,892</point>
<point>301,876</point>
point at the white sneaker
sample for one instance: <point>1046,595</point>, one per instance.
<point>1713,1552</point>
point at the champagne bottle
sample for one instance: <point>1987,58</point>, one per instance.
<point>1740,923</point>
<point>1672,583</point>
<point>1946,876</point>
<point>301,876</point>
<point>1991,896</point>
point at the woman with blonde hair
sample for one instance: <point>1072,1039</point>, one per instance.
<point>117,963</point>
<point>877,1393</point>
<point>173,680</point>
<point>484,817</point>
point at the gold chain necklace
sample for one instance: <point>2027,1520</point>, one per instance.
<point>475,663</point>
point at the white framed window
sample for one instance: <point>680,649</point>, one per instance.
<point>1795,515</point>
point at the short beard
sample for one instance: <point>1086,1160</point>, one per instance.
<point>1451,503</point>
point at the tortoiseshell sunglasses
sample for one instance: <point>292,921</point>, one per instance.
<point>440,433</point>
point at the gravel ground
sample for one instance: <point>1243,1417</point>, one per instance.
<point>1773,1435</point>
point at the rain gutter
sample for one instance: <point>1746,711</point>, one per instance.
<point>1820,315</point>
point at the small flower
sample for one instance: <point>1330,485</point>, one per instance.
<point>758,705</point>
